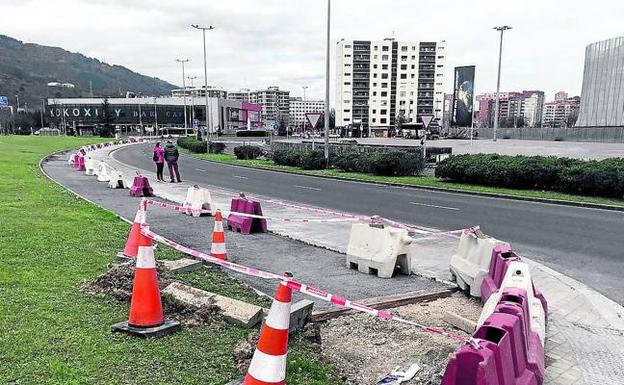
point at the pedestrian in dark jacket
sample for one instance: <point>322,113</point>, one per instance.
<point>171,157</point>
<point>159,159</point>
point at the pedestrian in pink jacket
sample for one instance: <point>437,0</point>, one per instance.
<point>159,159</point>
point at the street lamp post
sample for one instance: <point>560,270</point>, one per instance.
<point>184,92</point>
<point>204,29</point>
<point>500,55</point>
<point>155,118</point>
<point>192,79</point>
<point>304,92</point>
<point>327,83</point>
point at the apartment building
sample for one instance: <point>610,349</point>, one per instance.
<point>200,92</point>
<point>241,95</point>
<point>275,104</point>
<point>299,108</point>
<point>516,109</point>
<point>376,81</point>
<point>562,112</point>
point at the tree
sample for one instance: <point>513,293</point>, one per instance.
<point>398,124</point>
<point>571,118</point>
<point>332,119</point>
<point>106,120</point>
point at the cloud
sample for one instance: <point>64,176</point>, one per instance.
<point>275,42</point>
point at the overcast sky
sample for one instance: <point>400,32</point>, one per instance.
<point>258,43</point>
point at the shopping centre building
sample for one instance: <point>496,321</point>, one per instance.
<point>152,114</point>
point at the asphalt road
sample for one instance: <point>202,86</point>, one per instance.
<point>587,244</point>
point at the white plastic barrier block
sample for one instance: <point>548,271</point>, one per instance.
<point>72,159</point>
<point>470,264</point>
<point>378,250</point>
<point>198,198</point>
<point>90,165</point>
<point>104,172</point>
<point>518,276</point>
<point>117,180</point>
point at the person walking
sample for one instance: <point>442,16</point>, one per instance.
<point>171,156</point>
<point>159,159</point>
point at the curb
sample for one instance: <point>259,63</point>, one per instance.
<point>560,202</point>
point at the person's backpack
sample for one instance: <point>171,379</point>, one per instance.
<point>155,157</point>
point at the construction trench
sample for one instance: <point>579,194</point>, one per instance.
<point>364,349</point>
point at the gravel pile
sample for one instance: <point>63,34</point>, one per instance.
<point>365,349</point>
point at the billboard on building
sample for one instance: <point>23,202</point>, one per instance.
<point>463,96</point>
<point>4,101</point>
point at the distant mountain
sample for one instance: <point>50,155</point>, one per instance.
<point>26,69</point>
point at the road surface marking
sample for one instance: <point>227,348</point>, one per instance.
<point>239,177</point>
<point>199,169</point>
<point>308,188</point>
<point>434,206</point>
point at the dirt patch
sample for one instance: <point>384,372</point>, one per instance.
<point>365,349</point>
<point>118,280</point>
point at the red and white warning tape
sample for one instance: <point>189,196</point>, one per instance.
<point>297,286</point>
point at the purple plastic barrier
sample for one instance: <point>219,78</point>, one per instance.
<point>244,224</point>
<point>501,359</point>
<point>80,163</point>
<point>514,301</point>
<point>501,257</point>
<point>141,187</point>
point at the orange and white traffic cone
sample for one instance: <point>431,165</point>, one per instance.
<point>132,244</point>
<point>217,249</point>
<point>146,314</point>
<point>268,365</point>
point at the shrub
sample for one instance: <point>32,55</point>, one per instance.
<point>193,145</point>
<point>252,133</point>
<point>287,157</point>
<point>354,161</point>
<point>247,152</point>
<point>312,160</point>
<point>216,148</point>
<point>601,178</point>
<point>399,163</point>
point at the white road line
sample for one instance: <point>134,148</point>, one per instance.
<point>239,177</point>
<point>199,169</point>
<point>308,188</point>
<point>434,206</point>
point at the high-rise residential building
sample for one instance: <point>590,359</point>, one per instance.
<point>448,110</point>
<point>241,95</point>
<point>376,81</point>
<point>299,108</point>
<point>602,94</point>
<point>516,109</point>
<point>560,96</point>
<point>561,113</point>
<point>275,104</point>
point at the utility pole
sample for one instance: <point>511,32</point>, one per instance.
<point>304,92</point>
<point>141,119</point>
<point>184,92</point>
<point>204,29</point>
<point>155,118</point>
<point>42,111</point>
<point>500,56</point>
<point>327,83</point>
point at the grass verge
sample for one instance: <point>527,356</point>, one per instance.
<point>52,333</point>
<point>415,181</point>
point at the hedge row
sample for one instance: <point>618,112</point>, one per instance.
<point>599,178</point>
<point>392,163</point>
<point>193,145</point>
<point>247,152</point>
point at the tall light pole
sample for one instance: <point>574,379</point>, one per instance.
<point>192,78</point>
<point>155,118</point>
<point>327,83</point>
<point>184,91</point>
<point>204,29</point>
<point>304,92</point>
<point>500,56</point>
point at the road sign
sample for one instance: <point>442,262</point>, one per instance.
<point>4,101</point>
<point>314,118</point>
<point>426,119</point>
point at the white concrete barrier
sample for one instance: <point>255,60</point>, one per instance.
<point>198,198</point>
<point>378,250</point>
<point>117,180</point>
<point>470,264</point>
<point>72,159</point>
<point>90,165</point>
<point>103,172</point>
<point>519,276</point>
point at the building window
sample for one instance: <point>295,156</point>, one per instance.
<point>404,49</point>
<point>374,93</point>
<point>374,120</point>
<point>376,48</point>
<point>347,110</point>
<point>384,76</point>
<point>348,46</point>
<point>347,83</point>
<point>402,94</point>
<point>347,64</point>
<point>384,66</point>
<point>385,48</point>
<point>347,55</point>
<point>347,74</point>
<point>383,120</point>
<point>404,66</point>
<point>403,58</point>
<point>384,85</point>
<point>374,75</point>
<point>374,56</point>
<point>374,111</point>
<point>413,57</point>
<point>412,76</point>
<point>384,57</point>
<point>375,66</point>
<point>403,76</point>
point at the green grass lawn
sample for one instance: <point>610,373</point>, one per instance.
<point>52,333</point>
<point>416,181</point>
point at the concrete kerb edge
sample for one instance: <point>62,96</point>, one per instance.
<point>429,188</point>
